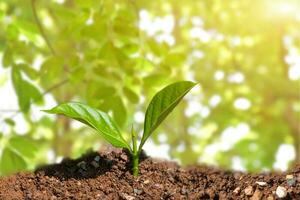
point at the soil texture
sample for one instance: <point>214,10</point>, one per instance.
<point>106,175</point>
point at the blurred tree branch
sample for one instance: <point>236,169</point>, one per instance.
<point>40,27</point>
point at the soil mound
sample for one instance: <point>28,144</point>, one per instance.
<point>106,175</point>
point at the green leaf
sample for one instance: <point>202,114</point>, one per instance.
<point>10,122</point>
<point>94,118</point>
<point>26,92</point>
<point>131,95</point>
<point>11,162</point>
<point>29,71</point>
<point>7,59</point>
<point>52,68</point>
<point>87,3</point>
<point>24,146</point>
<point>119,111</point>
<point>162,105</point>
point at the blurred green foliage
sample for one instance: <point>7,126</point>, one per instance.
<point>114,55</point>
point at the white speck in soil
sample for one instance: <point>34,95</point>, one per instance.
<point>249,191</point>
<point>128,197</point>
<point>281,192</point>
<point>137,191</point>
<point>261,183</point>
<point>237,190</point>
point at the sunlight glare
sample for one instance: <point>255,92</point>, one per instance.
<point>285,8</point>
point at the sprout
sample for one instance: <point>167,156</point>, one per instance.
<point>161,105</point>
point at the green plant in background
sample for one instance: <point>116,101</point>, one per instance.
<point>159,108</point>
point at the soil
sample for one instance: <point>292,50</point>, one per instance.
<point>106,175</point>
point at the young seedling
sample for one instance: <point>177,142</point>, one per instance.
<point>159,108</point>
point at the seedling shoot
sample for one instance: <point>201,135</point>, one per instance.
<point>161,105</point>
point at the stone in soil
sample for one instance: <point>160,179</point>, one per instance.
<point>261,183</point>
<point>249,191</point>
<point>158,180</point>
<point>281,192</point>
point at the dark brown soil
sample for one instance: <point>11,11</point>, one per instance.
<point>107,176</point>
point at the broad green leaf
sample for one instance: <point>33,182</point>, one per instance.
<point>51,70</point>
<point>162,105</point>
<point>119,111</point>
<point>24,146</point>
<point>94,118</point>
<point>11,162</point>
<point>29,71</point>
<point>28,29</point>
<point>26,92</point>
<point>131,95</point>
<point>12,32</point>
<point>154,80</point>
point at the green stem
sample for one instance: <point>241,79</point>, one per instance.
<point>135,168</point>
<point>135,155</point>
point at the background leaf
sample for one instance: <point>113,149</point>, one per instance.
<point>24,146</point>
<point>27,93</point>
<point>11,162</point>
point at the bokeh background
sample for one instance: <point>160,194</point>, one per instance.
<point>114,55</point>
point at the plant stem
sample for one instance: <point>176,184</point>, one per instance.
<point>135,156</point>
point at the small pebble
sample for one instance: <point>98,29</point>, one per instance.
<point>98,195</point>
<point>124,157</point>
<point>95,164</point>
<point>261,183</point>
<point>249,191</point>
<point>159,186</point>
<point>289,176</point>
<point>128,197</point>
<point>291,180</point>
<point>115,167</point>
<point>137,191</point>
<point>97,158</point>
<point>82,165</point>
<point>184,191</point>
<point>298,178</point>
<point>281,192</point>
<point>53,197</point>
<point>237,190</point>
<point>146,181</point>
<point>257,195</point>
<point>270,198</point>
<point>237,176</point>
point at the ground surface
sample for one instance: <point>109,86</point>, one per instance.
<point>107,176</point>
